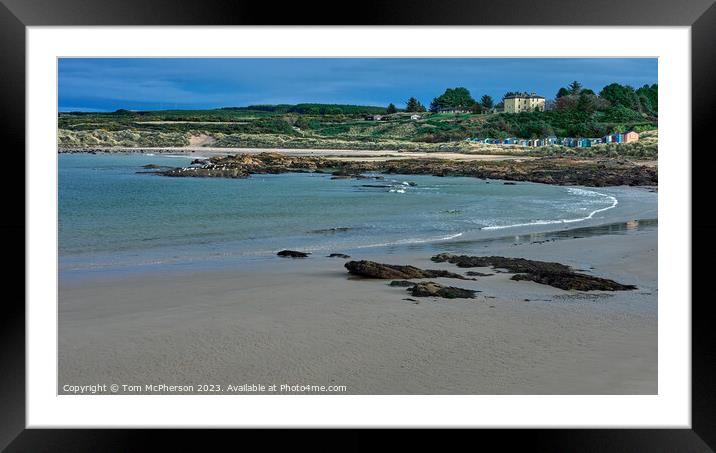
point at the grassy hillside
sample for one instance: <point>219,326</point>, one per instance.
<point>339,126</point>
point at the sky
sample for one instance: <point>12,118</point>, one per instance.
<point>108,84</point>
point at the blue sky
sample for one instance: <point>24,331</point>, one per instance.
<point>107,84</point>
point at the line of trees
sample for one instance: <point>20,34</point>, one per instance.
<point>644,100</point>
<point>572,97</point>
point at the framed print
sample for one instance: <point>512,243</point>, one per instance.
<point>419,218</point>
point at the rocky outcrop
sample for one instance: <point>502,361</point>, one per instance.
<point>573,281</point>
<point>477,274</point>
<point>432,289</point>
<point>338,255</point>
<point>547,273</point>
<point>371,269</point>
<point>516,265</point>
<point>206,172</point>
<point>292,254</point>
<point>348,174</point>
<point>401,283</point>
<point>548,170</point>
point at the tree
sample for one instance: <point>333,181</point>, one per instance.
<point>586,103</point>
<point>562,92</point>
<point>411,105</point>
<point>568,102</point>
<point>391,109</point>
<point>486,102</point>
<point>476,108</point>
<point>575,87</point>
<point>649,98</point>
<point>622,95</point>
<point>453,98</point>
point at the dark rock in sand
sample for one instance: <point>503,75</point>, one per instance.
<point>432,289</point>
<point>552,274</point>
<point>292,254</point>
<point>401,283</point>
<point>477,274</point>
<point>574,281</point>
<point>507,183</point>
<point>371,269</point>
<point>516,265</point>
<point>338,255</point>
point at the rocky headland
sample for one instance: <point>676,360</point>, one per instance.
<point>548,170</point>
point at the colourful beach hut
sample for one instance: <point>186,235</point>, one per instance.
<point>631,136</point>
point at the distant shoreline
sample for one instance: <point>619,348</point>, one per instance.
<point>352,154</point>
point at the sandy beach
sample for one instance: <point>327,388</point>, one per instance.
<point>339,154</point>
<point>306,321</point>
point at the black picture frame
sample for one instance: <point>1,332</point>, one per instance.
<point>16,15</point>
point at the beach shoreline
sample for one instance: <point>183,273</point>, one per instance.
<point>628,211</point>
<point>293,321</point>
<point>242,322</point>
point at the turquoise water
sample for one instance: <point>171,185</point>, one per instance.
<point>111,216</point>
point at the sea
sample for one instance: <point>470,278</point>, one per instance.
<point>114,214</point>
